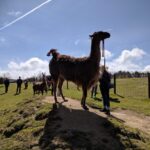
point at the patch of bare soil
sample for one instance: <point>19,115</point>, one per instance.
<point>133,119</point>
<point>70,127</point>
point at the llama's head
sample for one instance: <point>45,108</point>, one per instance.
<point>100,35</point>
<point>53,52</point>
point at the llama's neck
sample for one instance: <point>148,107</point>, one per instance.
<point>95,54</point>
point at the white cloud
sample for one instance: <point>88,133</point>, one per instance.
<point>108,54</point>
<point>147,68</point>
<point>128,56</point>
<point>129,60</point>
<point>14,13</point>
<point>31,67</point>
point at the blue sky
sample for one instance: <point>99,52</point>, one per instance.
<point>29,28</point>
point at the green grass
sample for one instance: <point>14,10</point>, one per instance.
<point>140,105</point>
<point>132,87</point>
<point>19,128</point>
<point>23,117</point>
<point>9,100</point>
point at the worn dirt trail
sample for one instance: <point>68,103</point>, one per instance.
<point>71,127</point>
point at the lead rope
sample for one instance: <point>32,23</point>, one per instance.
<point>103,52</point>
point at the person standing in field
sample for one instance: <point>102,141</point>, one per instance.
<point>19,83</point>
<point>25,84</point>
<point>6,83</point>
<point>105,80</point>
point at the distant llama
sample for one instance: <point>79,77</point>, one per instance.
<point>40,87</point>
<point>82,71</point>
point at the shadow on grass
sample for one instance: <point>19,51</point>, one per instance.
<point>3,93</point>
<point>120,95</point>
<point>68,128</point>
<point>114,100</point>
<point>17,94</point>
<point>97,99</point>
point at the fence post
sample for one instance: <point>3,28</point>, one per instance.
<point>67,85</point>
<point>114,83</point>
<point>148,85</point>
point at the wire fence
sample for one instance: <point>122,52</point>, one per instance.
<point>132,87</point>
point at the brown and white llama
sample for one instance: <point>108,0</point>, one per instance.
<point>82,71</point>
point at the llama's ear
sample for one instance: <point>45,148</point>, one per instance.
<point>49,53</point>
<point>91,36</point>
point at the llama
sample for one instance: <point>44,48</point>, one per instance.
<point>82,71</point>
<point>40,87</point>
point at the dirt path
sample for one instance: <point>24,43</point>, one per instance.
<point>134,119</point>
<point>91,127</point>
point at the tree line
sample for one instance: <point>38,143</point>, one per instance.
<point>120,74</point>
<point>127,74</point>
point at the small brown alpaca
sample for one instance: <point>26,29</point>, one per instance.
<point>82,71</point>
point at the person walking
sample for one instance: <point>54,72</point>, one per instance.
<point>105,80</point>
<point>6,83</point>
<point>19,83</point>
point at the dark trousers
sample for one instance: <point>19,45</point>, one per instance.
<point>105,96</point>
<point>18,89</point>
<point>6,88</point>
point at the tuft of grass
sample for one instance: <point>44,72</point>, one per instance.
<point>43,112</point>
<point>18,127</point>
<point>131,138</point>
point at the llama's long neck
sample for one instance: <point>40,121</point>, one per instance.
<point>95,54</point>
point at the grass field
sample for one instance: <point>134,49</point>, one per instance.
<point>132,87</point>
<point>23,117</point>
<point>140,105</point>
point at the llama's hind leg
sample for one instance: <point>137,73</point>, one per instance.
<point>83,101</point>
<point>54,90</point>
<point>60,88</point>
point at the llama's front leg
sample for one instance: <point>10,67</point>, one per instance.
<point>83,101</point>
<point>60,88</point>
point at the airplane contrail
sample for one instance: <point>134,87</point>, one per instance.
<point>26,14</point>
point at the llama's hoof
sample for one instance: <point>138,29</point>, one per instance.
<point>108,112</point>
<point>85,107</point>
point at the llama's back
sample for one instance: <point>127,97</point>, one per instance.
<point>79,71</point>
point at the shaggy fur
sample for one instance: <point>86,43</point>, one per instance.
<point>82,71</point>
<point>40,87</point>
